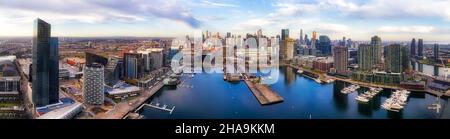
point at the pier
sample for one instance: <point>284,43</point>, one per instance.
<point>263,93</point>
<point>157,106</point>
<point>122,109</point>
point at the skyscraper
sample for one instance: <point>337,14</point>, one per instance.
<point>377,50</point>
<point>307,40</point>
<point>365,57</point>
<point>394,58</point>
<point>228,34</point>
<point>436,52</point>
<point>134,66</point>
<point>287,49</point>
<point>341,60</point>
<point>301,37</point>
<point>284,34</point>
<point>413,47</point>
<point>420,48</point>
<point>344,41</point>
<point>45,68</point>
<point>325,45</point>
<point>93,85</point>
<point>259,33</point>
<point>313,40</point>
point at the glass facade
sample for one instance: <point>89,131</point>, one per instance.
<point>44,66</point>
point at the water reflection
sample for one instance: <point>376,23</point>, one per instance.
<point>340,100</point>
<point>290,75</point>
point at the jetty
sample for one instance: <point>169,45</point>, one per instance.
<point>264,93</point>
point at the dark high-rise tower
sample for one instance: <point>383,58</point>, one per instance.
<point>301,36</point>
<point>420,48</point>
<point>365,57</point>
<point>284,34</point>
<point>45,68</point>
<point>377,50</point>
<point>413,48</point>
<point>325,45</point>
<point>436,52</point>
<point>394,56</point>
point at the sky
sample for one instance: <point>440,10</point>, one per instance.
<point>399,20</point>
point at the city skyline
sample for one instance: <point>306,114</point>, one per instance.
<point>358,20</point>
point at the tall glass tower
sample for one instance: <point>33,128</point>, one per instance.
<point>377,50</point>
<point>45,68</point>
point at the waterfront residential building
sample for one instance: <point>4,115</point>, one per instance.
<point>133,64</point>
<point>394,58</point>
<point>93,84</point>
<point>377,50</point>
<point>420,48</point>
<point>382,78</point>
<point>287,49</point>
<point>45,74</point>
<point>323,64</point>
<point>111,64</point>
<point>413,47</point>
<point>436,52</point>
<point>341,60</point>
<point>365,57</point>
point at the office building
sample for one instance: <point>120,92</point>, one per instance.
<point>284,34</point>
<point>93,85</point>
<point>45,65</point>
<point>324,45</point>
<point>301,37</point>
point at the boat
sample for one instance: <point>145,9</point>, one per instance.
<point>350,89</point>
<point>318,81</point>
<point>300,71</point>
<point>171,81</point>
<point>362,99</point>
<point>330,81</point>
<point>397,101</point>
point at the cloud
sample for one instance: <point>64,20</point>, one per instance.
<point>216,4</point>
<point>370,9</point>
<point>97,11</point>
<point>330,28</point>
<point>390,9</point>
<point>406,29</point>
<point>288,8</point>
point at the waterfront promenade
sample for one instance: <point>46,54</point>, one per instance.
<point>363,84</point>
<point>123,108</point>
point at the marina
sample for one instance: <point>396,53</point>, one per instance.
<point>350,89</point>
<point>368,95</point>
<point>303,98</point>
<point>397,101</point>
